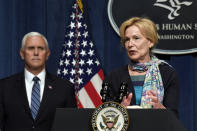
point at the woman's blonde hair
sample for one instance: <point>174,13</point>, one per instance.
<point>145,25</point>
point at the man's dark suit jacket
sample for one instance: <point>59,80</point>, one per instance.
<point>15,113</point>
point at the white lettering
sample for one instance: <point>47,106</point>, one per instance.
<point>176,37</point>
<point>176,26</point>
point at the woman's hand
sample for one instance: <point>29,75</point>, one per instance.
<point>127,100</point>
<point>154,100</point>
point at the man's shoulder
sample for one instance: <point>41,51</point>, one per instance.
<point>58,80</point>
<point>13,77</point>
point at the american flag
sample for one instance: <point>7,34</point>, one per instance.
<point>78,62</point>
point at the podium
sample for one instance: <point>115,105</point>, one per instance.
<point>67,119</point>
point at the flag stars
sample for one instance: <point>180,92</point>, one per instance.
<point>97,62</point>
<point>90,62</point>
<point>65,71</point>
<point>73,62</point>
<point>71,80</point>
<point>72,72</point>
<point>74,6</point>
<point>79,34</point>
<point>83,53</point>
<point>80,16</point>
<point>89,71</point>
<point>91,52</point>
<point>72,25</point>
<point>68,53</point>
<point>85,34</point>
<point>58,72</point>
<point>91,44</point>
<point>79,25</point>
<point>71,34</point>
<point>80,81</point>
<point>81,71</point>
<point>84,43</point>
<point>69,44</point>
<point>85,26</point>
<point>81,62</point>
<point>63,53</point>
<point>72,16</point>
<point>61,62</point>
<point>66,62</point>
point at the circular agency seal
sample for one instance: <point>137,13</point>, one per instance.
<point>110,116</point>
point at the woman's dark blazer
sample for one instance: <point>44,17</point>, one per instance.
<point>170,82</point>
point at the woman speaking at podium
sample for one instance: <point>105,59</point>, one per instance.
<point>152,83</point>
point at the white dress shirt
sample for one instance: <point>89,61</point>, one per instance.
<point>29,83</point>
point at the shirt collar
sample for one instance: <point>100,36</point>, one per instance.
<point>29,76</point>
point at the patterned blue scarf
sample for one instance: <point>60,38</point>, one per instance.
<point>153,80</point>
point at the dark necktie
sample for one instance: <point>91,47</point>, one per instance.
<point>35,97</point>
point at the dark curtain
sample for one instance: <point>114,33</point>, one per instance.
<point>49,17</point>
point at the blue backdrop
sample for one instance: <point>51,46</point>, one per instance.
<point>49,17</point>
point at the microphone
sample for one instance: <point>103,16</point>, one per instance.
<point>122,91</point>
<point>105,91</point>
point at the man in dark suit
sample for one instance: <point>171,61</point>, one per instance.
<point>28,100</point>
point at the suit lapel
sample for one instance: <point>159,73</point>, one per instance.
<point>48,91</point>
<point>20,84</point>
